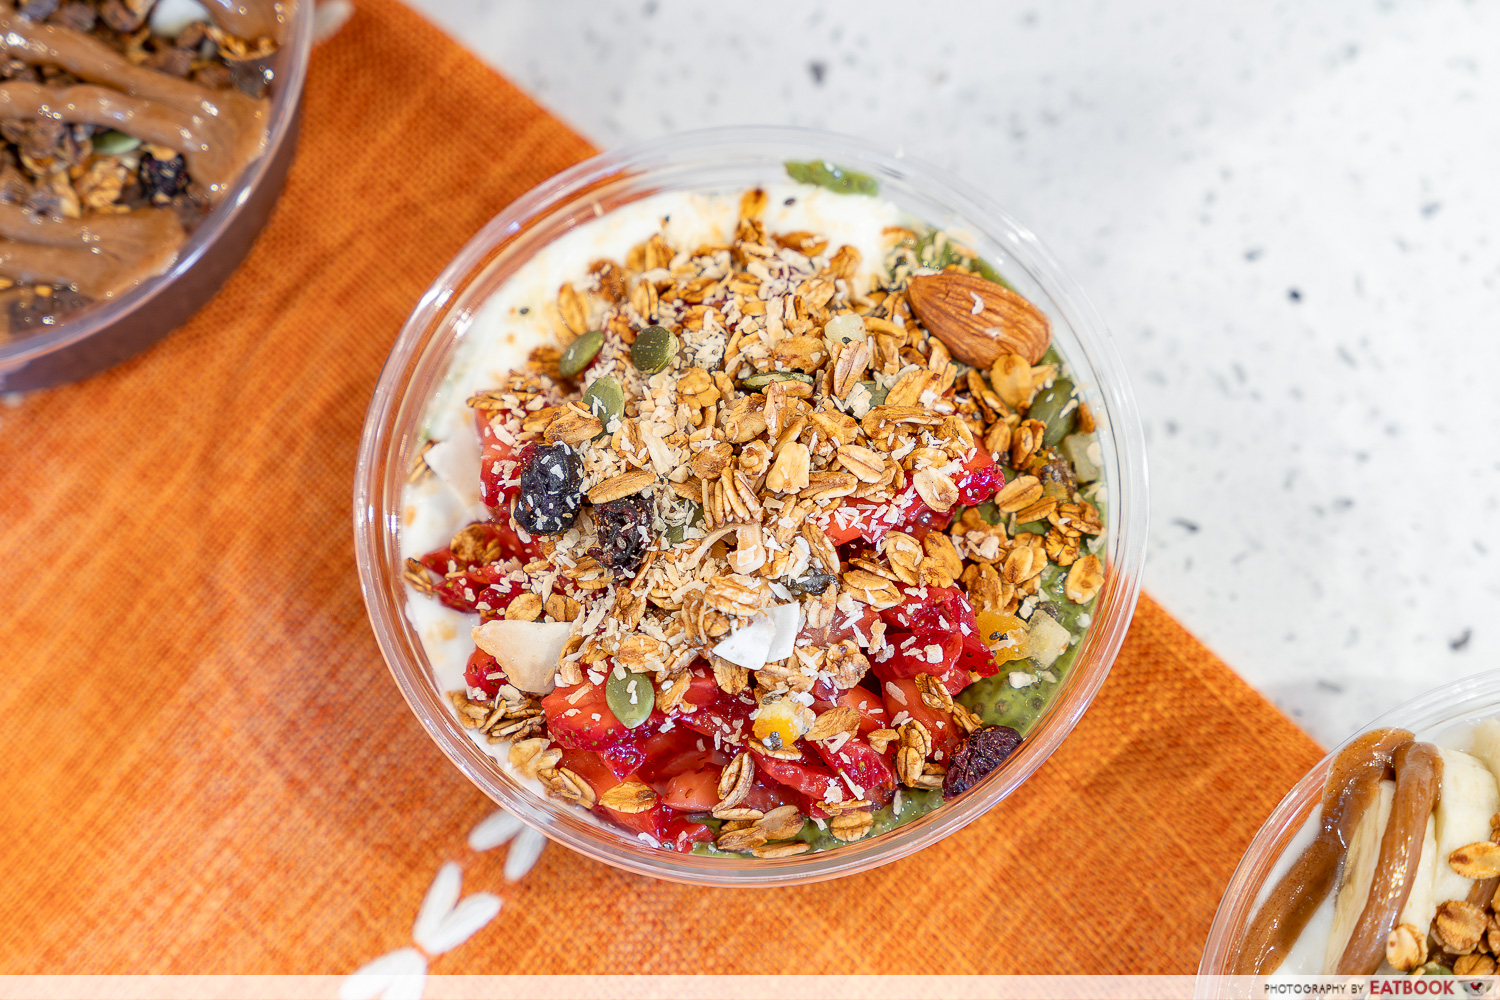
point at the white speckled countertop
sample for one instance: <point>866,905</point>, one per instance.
<point>1288,215</point>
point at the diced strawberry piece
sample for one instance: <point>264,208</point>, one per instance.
<point>579,718</point>
<point>494,599</point>
<point>592,768</point>
<point>765,797</point>
<point>902,696</point>
<point>934,615</point>
<point>862,766</point>
<point>675,751</point>
<point>441,561</point>
<point>714,713</point>
<point>461,591</point>
<point>980,480</point>
<point>483,672</point>
<point>911,655</point>
<point>872,713</point>
<point>693,791</point>
<point>812,780</point>
<point>681,834</point>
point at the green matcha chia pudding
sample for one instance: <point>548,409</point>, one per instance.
<point>755,523</point>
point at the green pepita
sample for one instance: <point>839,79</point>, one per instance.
<point>605,400</point>
<point>112,143</point>
<point>760,380</point>
<point>654,349</point>
<point>676,532</point>
<point>1049,407</point>
<point>989,513</point>
<point>840,180</point>
<point>877,392</point>
<point>580,353</point>
<point>631,696</point>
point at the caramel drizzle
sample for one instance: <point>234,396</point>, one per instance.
<point>1352,783</point>
<point>218,133</point>
<point>97,254</point>
<point>1419,779</point>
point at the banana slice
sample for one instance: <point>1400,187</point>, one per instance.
<point>1421,905</point>
<point>1486,745</point>
<point>1359,871</point>
<point>1470,796</point>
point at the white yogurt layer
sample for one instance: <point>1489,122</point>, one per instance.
<point>1310,955</point>
<point>521,315</point>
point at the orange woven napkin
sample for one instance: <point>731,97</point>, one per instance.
<point>208,769</point>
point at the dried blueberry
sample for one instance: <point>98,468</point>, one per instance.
<point>550,491</point>
<point>985,749</point>
<point>624,527</point>
<point>162,179</point>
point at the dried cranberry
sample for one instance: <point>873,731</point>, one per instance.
<point>624,527</point>
<point>984,750</point>
<point>551,492</point>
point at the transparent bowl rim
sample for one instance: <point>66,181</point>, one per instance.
<point>17,353</point>
<point>1467,699</point>
<point>376,478</point>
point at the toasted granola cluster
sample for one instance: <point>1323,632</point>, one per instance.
<point>812,459</point>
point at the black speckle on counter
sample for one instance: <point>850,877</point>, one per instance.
<point>1330,686</point>
<point>1186,525</point>
<point>1431,208</point>
<point>818,69</point>
<point>1294,294</point>
<point>1253,254</point>
<point>1461,642</point>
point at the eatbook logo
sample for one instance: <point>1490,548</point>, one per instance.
<point>1476,987</point>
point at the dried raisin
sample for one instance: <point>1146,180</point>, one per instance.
<point>624,527</point>
<point>985,749</point>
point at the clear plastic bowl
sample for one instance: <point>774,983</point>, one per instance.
<point>732,160</point>
<point>106,334</point>
<point>1428,717</point>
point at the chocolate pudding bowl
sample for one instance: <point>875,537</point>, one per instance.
<point>143,144</point>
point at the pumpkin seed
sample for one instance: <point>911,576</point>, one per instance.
<point>676,532</point>
<point>1048,408</point>
<point>112,143</point>
<point>840,180</point>
<point>631,697</point>
<point>760,380</point>
<point>877,392</point>
<point>605,400</point>
<point>580,353</point>
<point>654,349</point>
<point>989,513</point>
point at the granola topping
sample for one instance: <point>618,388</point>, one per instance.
<point>789,539</point>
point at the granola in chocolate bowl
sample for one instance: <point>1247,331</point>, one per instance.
<point>755,523</point>
<point>124,123</point>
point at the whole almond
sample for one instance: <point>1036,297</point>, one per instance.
<point>978,320</point>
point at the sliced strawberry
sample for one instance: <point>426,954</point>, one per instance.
<point>692,791</point>
<point>903,699</point>
<point>578,717</point>
<point>910,655</point>
<point>844,625</point>
<point>766,796</point>
<point>675,751</point>
<point>871,709</point>
<point>461,591</point>
<point>812,780</point>
<point>713,712</point>
<point>980,480</point>
<point>870,774</point>
<point>592,768</point>
<point>681,834</point>
<point>483,672</point>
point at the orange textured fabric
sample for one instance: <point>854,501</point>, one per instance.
<point>206,767</point>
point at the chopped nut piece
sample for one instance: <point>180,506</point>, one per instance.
<point>1406,947</point>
